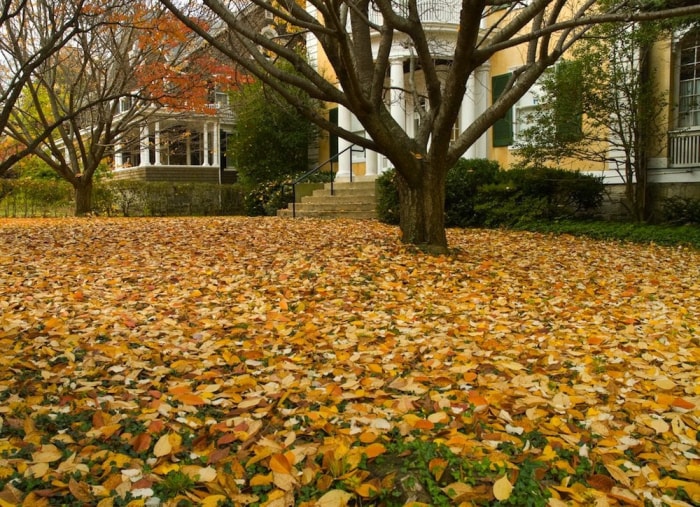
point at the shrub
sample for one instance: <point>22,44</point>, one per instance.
<point>27,197</point>
<point>388,198</point>
<point>266,198</point>
<point>542,193</point>
<point>681,210</point>
<point>463,181</point>
<point>479,193</point>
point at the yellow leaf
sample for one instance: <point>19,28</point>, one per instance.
<point>374,450</point>
<point>366,490</point>
<point>47,454</point>
<point>502,488</point>
<point>280,464</point>
<point>261,480</point>
<point>213,500</point>
<point>437,467</point>
<point>664,383</point>
<point>284,481</point>
<point>457,491</point>
<point>334,498</point>
<point>163,446</point>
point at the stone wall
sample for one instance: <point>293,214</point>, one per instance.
<point>169,173</point>
<point>613,208</point>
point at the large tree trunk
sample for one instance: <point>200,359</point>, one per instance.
<point>83,196</point>
<point>422,211</point>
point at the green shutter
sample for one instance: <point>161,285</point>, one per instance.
<point>503,128</point>
<point>568,114</point>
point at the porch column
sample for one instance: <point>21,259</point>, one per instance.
<point>205,145</point>
<point>145,156</point>
<point>216,133</point>
<point>157,147</point>
<point>468,112</point>
<point>481,99</point>
<point>188,148</point>
<point>370,163</point>
<point>344,157</point>
<point>398,109</point>
<point>118,156</point>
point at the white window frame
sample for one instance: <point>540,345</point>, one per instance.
<point>689,118</point>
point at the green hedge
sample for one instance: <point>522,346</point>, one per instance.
<point>161,198</point>
<point>30,198</point>
<point>479,193</point>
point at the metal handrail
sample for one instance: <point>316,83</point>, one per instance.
<point>316,169</point>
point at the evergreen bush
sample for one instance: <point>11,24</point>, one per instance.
<point>681,210</point>
<point>388,198</point>
<point>463,182</point>
<point>479,193</point>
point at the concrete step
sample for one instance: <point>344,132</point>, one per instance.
<point>337,206</point>
<point>356,215</point>
<point>342,189</point>
<point>344,198</point>
<point>355,199</point>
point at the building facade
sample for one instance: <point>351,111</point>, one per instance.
<point>677,70</point>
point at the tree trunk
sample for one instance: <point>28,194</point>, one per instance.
<point>83,197</point>
<point>422,211</point>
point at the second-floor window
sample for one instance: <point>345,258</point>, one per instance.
<point>689,81</point>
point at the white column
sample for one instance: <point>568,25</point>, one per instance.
<point>157,146</point>
<point>205,145</point>
<point>118,156</point>
<point>188,148</point>
<point>371,163</point>
<point>145,157</point>
<point>468,112</point>
<point>398,107</point>
<point>345,157</point>
<point>216,133</point>
<point>481,98</point>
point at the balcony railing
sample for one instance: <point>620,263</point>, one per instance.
<point>430,11</point>
<point>223,111</point>
<point>684,148</point>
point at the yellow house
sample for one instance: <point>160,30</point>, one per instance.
<point>677,64</point>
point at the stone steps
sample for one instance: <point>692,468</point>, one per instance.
<point>356,200</point>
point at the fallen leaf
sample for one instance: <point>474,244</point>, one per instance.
<point>502,489</point>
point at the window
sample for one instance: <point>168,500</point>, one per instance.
<point>124,104</point>
<point>555,99</point>
<point>503,128</point>
<point>689,81</point>
<point>525,111</point>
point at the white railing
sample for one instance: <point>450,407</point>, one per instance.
<point>223,111</point>
<point>684,148</point>
<point>430,11</point>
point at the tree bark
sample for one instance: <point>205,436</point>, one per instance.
<point>422,211</point>
<point>83,197</point>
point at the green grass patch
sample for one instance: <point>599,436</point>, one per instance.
<point>684,235</point>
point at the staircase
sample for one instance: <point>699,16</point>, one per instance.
<point>349,200</point>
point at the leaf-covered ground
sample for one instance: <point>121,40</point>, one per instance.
<point>234,361</point>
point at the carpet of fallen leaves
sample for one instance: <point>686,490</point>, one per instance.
<point>239,361</point>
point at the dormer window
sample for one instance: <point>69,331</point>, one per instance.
<point>125,104</point>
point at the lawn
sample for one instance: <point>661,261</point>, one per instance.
<point>241,361</point>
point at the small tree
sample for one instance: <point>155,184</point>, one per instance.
<point>270,139</point>
<point>601,106</point>
<point>23,49</point>
<point>123,50</point>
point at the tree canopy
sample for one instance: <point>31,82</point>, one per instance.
<point>357,38</point>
